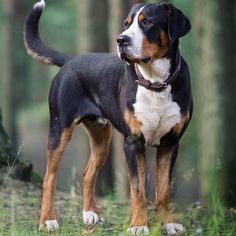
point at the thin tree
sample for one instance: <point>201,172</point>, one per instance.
<point>215,70</point>
<point>15,65</point>
<point>92,36</point>
<point>5,146</point>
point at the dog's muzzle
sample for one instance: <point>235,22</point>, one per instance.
<point>123,42</point>
<point>124,48</point>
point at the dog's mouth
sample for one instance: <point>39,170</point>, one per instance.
<point>125,57</point>
<point>146,60</point>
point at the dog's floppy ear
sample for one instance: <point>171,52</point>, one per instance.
<point>178,24</point>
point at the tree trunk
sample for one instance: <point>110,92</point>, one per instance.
<point>227,87</point>
<point>8,79</point>
<point>215,70</point>
<point>5,146</point>
<point>93,37</point>
<point>92,26</point>
<point>208,106</point>
<point>15,64</point>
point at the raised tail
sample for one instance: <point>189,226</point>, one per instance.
<point>33,44</point>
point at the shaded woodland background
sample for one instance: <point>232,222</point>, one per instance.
<point>206,165</point>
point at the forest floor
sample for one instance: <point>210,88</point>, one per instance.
<point>19,213</point>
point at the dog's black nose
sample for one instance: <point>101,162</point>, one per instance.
<point>123,40</point>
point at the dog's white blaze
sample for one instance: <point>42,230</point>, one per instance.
<point>157,112</point>
<point>158,71</point>
<point>134,32</point>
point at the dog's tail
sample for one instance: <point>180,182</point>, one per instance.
<point>33,44</point>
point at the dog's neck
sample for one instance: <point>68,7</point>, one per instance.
<point>157,71</point>
<point>160,69</point>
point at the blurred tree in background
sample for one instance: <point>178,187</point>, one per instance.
<point>215,70</point>
<point>206,160</point>
<point>15,67</point>
<point>5,146</point>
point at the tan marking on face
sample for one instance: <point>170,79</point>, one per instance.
<point>164,39</point>
<point>162,202</point>
<point>129,20</point>
<point>99,139</point>
<point>138,198</point>
<point>155,50</point>
<point>133,123</point>
<point>178,127</point>
<point>141,17</point>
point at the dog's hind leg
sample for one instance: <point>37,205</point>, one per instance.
<point>99,138</point>
<point>57,142</point>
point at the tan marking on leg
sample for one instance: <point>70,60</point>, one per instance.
<point>133,123</point>
<point>99,139</point>
<point>49,184</point>
<point>178,127</point>
<point>162,202</point>
<point>138,198</point>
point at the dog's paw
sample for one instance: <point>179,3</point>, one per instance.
<point>49,226</point>
<point>138,230</point>
<point>174,229</point>
<point>91,218</point>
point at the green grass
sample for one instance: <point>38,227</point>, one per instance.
<point>19,213</point>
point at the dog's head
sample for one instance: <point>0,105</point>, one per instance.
<point>149,32</point>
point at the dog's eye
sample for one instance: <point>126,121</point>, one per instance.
<point>146,23</point>
<point>126,24</point>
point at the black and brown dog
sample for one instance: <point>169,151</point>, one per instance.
<point>146,96</point>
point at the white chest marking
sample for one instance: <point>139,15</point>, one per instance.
<point>157,112</point>
<point>157,71</point>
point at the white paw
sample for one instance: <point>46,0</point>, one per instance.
<point>174,229</point>
<point>50,226</point>
<point>40,4</point>
<point>90,218</point>
<point>137,230</point>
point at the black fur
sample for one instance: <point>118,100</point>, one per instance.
<point>178,25</point>
<point>32,39</point>
<point>101,85</point>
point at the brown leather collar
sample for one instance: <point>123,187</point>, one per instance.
<point>158,86</point>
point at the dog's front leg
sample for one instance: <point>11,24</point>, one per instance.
<point>134,148</point>
<point>165,160</point>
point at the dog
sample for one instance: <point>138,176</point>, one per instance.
<point>144,92</point>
